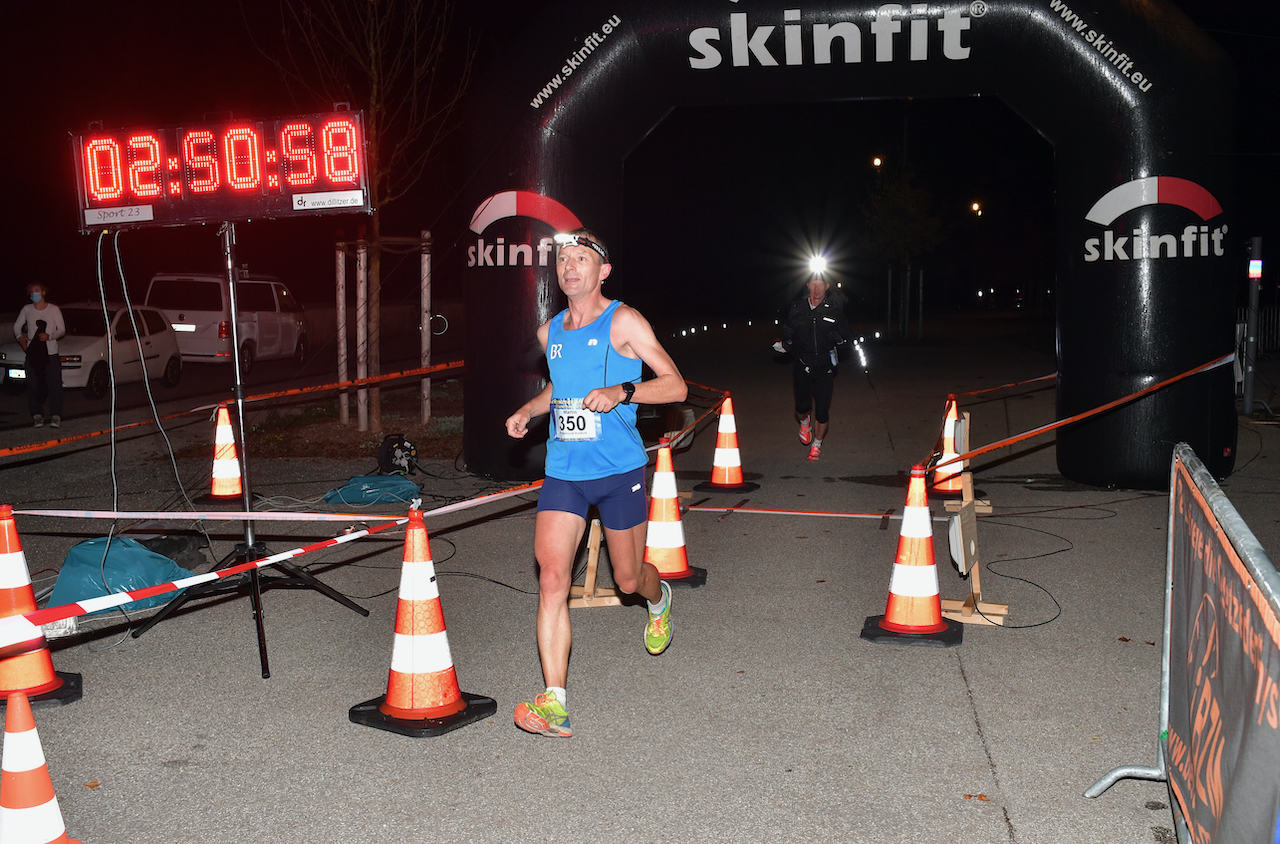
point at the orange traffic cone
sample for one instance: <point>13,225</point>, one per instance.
<point>226,466</point>
<point>726,467</point>
<point>422,696</point>
<point>29,812</point>
<point>947,480</point>
<point>913,614</point>
<point>664,545</point>
<point>31,672</point>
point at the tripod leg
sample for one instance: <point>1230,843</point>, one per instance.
<point>255,594</point>
<point>310,581</point>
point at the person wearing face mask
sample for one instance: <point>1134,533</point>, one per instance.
<point>37,329</point>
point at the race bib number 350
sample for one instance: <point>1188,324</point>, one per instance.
<point>571,422</point>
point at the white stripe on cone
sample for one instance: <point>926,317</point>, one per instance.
<point>727,424</point>
<point>917,523</point>
<point>664,485</point>
<point>226,467</point>
<point>665,535</point>
<point>13,570</point>
<point>35,825</point>
<point>22,752</point>
<point>425,654</point>
<point>418,581</point>
<point>726,457</point>
<point>914,581</point>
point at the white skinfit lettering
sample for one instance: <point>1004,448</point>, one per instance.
<point>753,43</point>
<point>503,254</point>
<point>1198,241</point>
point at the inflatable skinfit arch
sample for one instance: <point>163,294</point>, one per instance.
<point>1136,100</point>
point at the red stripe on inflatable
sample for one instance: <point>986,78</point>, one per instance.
<point>1174,191</point>
<point>547,210</point>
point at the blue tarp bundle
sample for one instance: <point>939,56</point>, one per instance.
<point>129,565</point>
<point>375,489</point>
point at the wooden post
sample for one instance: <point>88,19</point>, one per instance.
<point>340,282</point>
<point>424,324</point>
<point>362,333</point>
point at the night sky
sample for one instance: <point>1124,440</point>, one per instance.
<point>799,174</point>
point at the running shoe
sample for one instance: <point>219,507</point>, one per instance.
<point>657,635</point>
<point>815,452</point>
<point>39,420</point>
<point>545,716</point>
<point>806,433</point>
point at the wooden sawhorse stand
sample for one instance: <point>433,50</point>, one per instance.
<point>589,595</point>
<point>967,520</point>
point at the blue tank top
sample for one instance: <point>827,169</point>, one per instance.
<point>584,445</point>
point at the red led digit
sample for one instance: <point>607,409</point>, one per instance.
<point>242,148</point>
<point>340,161</point>
<point>298,146</point>
<point>201,153</point>
<point>144,165</point>
<point>102,169</point>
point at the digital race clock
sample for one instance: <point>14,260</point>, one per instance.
<point>225,171</point>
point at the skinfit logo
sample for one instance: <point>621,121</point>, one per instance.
<point>891,27</point>
<point>516,203</point>
<point>1194,241</point>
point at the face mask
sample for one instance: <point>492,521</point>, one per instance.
<point>36,297</point>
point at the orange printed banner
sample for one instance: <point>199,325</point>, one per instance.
<point>1223,744</point>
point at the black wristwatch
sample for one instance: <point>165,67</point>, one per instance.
<point>629,389</point>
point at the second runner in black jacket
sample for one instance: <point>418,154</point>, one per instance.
<point>815,328</point>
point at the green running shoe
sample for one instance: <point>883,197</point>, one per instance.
<point>657,635</point>
<point>545,716</point>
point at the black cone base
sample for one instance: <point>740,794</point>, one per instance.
<point>708,486</point>
<point>368,714</point>
<point>70,691</point>
<point>949,638</point>
<point>693,581</point>
<point>211,502</point>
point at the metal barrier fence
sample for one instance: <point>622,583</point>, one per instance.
<point>1219,745</point>
<point>1268,329</point>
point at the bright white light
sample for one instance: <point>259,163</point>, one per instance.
<point>748,323</point>
<point>775,322</point>
<point>979,294</point>
<point>877,335</point>
<point>862,339</point>
<point>876,162</point>
<point>693,330</point>
<point>817,264</point>
<point>724,325</point>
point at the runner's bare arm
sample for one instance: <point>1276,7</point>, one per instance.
<point>633,336</point>
<point>518,422</point>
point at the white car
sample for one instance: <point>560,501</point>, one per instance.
<point>271,322</point>
<point>83,349</point>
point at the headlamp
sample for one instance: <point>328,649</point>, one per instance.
<point>817,265</point>
<point>563,240</point>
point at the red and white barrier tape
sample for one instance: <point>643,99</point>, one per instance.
<point>759,511</point>
<point>19,632</point>
<point>260,515</point>
<point>1044,429</point>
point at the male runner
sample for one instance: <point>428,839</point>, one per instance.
<point>595,456</point>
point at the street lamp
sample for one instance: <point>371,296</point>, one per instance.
<point>976,208</point>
